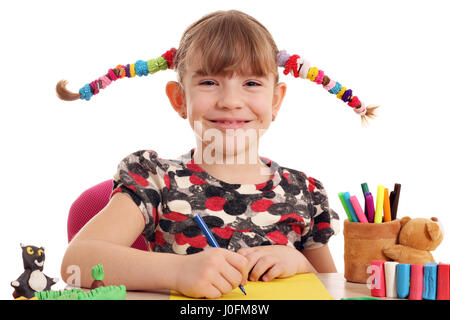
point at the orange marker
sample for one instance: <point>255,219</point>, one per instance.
<point>386,206</point>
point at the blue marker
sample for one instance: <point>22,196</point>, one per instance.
<point>209,236</point>
<point>350,207</point>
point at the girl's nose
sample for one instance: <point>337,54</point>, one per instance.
<point>229,98</point>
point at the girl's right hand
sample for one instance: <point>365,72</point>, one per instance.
<point>211,273</point>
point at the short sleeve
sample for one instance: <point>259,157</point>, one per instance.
<point>137,175</point>
<point>324,221</point>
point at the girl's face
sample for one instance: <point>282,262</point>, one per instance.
<point>220,105</point>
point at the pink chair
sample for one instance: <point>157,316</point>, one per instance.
<point>88,204</point>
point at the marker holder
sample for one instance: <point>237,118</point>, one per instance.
<point>364,242</point>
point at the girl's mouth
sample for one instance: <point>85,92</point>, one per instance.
<point>235,124</point>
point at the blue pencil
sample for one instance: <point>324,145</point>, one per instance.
<point>209,236</point>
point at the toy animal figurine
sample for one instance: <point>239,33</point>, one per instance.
<point>32,279</point>
<point>417,237</point>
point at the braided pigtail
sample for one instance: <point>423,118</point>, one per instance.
<point>300,67</point>
<point>140,68</point>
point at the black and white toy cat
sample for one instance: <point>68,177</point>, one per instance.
<point>32,279</point>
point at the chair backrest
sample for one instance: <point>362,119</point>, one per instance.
<point>88,204</point>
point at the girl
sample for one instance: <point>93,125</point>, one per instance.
<point>270,221</point>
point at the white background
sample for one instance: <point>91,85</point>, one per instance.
<point>392,53</point>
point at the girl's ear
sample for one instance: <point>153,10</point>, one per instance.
<point>279,91</point>
<point>176,97</point>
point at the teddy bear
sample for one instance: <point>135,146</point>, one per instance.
<point>417,237</point>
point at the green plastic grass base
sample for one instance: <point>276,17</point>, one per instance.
<point>100,293</point>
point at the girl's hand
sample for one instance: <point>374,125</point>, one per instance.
<point>211,273</point>
<point>274,261</point>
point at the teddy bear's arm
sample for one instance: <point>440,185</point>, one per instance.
<point>403,254</point>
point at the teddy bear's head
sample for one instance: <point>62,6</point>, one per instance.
<point>420,233</point>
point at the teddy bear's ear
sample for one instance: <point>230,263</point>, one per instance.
<point>404,220</point>
<point>433,230</point>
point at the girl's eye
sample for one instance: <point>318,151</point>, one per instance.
<point>207,82</point>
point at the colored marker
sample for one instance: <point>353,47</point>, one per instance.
<point>350,207</point>
<point>394,206</point>
<point>357,207</point>
<point>365,189</point>
<point>370,207</point>
<point>344,204</point>
<point>379,208</point>
<point>209,236</point>
<point>391,199</point>
<point>386,206</point>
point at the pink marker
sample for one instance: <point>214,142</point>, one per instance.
<point>416,283</point>
<point>359,212</point>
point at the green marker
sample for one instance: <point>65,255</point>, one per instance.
<point>365,188</point>
<point>344,204</point>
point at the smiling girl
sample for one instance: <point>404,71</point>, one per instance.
<point>270,221</point>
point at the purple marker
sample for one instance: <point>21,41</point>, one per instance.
<point>370,207</point>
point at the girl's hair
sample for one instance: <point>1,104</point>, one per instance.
<point>224,42</point>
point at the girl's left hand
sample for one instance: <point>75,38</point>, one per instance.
<point>274,261</point>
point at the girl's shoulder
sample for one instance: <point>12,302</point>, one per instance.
<point>300,178</point>
<point>149,160</point>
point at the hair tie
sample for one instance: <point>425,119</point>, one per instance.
<point>330,85</point>
<point>319,77</point>
<point>291,66</point>
<point>312,73</point>
<point>112,75</point>
<point>141,68</point>
<point>347,95</point>
<point>127,71</point>
<point>361,110</point>
<point>304,69</point>
<point>282,58</point>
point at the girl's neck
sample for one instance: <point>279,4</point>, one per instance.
<point>233,169</point>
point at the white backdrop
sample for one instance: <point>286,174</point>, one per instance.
<point>392,53</point>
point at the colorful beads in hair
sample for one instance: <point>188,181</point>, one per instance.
<point>139,68</point>
<point>300,67</point>
<point>293,64</point>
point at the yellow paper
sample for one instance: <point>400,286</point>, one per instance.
<point>304,286</point>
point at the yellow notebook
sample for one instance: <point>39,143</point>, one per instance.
<point>304,286</point>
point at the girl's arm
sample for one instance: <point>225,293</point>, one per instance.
<point>107,239</point>
<point>321,259</point>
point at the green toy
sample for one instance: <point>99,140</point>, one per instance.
<point>98,290</point>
